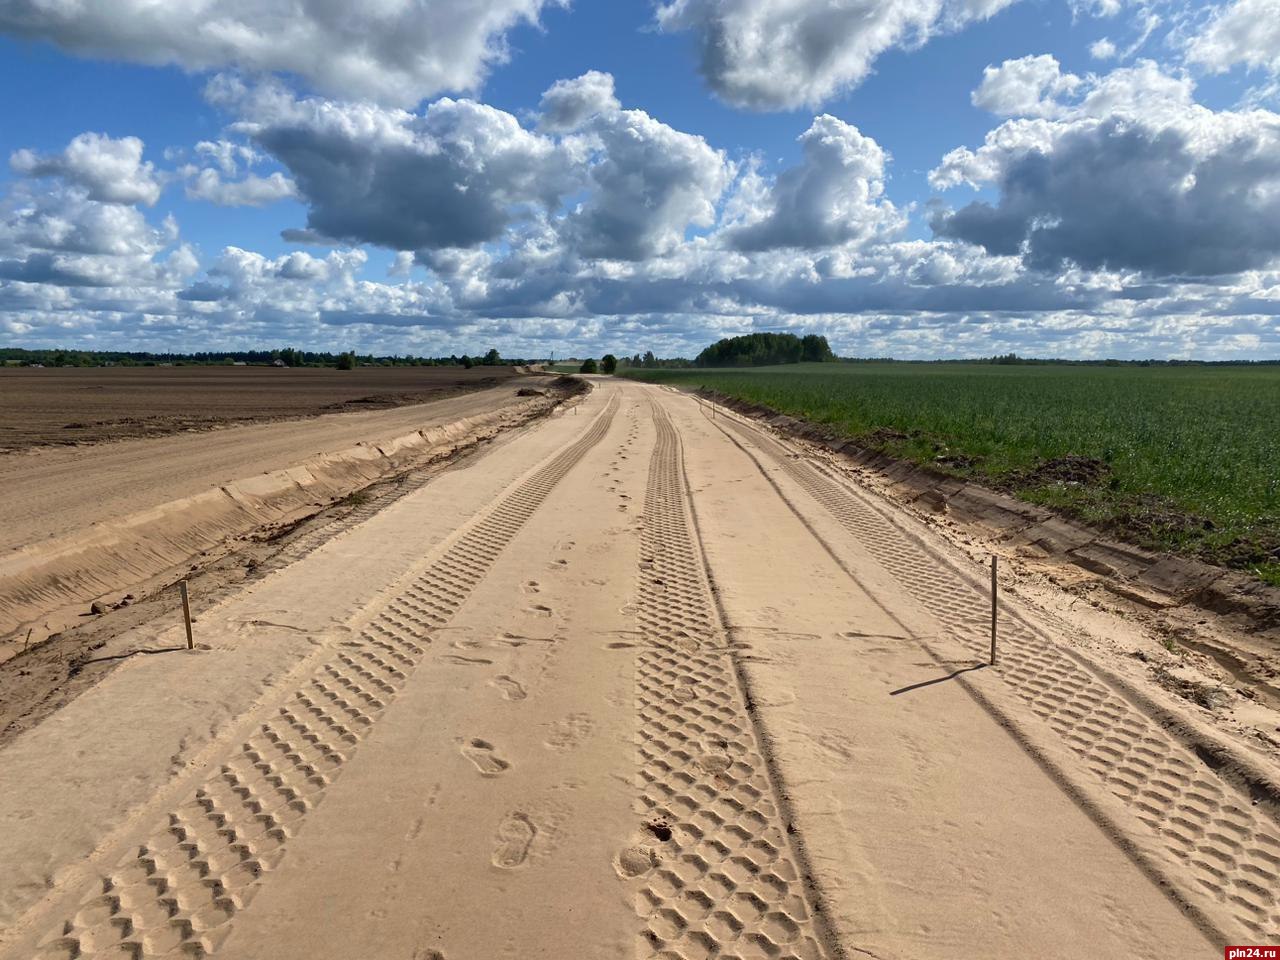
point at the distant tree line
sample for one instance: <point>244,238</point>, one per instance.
<point>1013,359</point>
<point>285,356</point>
<point>762,349</point>
<point>647,361</point>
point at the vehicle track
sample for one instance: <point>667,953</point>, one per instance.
<point>177,893</point>
<point>320,531</point>
<point>718,876</point>
<point>1230,849</point>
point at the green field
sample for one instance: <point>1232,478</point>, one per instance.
<point>1185,458</point>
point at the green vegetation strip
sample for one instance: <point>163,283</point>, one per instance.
<point>1182,458</point>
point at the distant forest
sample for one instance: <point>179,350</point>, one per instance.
<point>285,356</point>
<point>762,349</point>
<point>756,349</point>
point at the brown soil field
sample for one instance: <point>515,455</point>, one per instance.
<point>90,405</point>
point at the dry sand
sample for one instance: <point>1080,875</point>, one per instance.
<point>637,683</point>
<point>82,523</point>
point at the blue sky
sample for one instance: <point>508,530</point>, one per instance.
<point>910,177</point>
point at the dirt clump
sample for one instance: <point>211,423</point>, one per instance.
<point>1071,469</point>
<point>1207,695</point>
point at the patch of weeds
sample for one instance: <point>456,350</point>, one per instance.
<point>357,499</point>
<point>1269,572</point>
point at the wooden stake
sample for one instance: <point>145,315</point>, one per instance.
<point>186,613</point>
<point>26,643</point>
<point>993,611</point>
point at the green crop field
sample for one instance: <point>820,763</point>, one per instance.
<point>1185,458</point>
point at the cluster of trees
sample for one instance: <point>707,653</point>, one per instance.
<point>490,359</point>
<point>649,362</point>
<point>755,349</point>
<point>760,349</point>
<point>288,356</point>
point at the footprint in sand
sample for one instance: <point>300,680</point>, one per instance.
<point>570,732</point>
<point>511,688</point>
<point>634,862</point>
<point>464,661</point>
<point>539,610</point>
<point>481,753</point>
<point>515,836</point>
<point>531,586</point>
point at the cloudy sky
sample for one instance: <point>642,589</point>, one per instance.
<point>914,178</point>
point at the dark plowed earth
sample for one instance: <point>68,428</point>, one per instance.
<point>78,406</point>
<point>179,891</point>
<point>725,882</point>
<point>1228,850</point>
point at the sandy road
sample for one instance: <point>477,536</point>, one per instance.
<point>637,683</point>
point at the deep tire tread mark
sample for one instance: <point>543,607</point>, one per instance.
<point>1231,850</point>
<point>725,881</point>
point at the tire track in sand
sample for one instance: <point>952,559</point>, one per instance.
<point>1230,849</point>
<point>714,873</point>
<point>176,894</point>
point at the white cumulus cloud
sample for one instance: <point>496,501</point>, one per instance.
<point>648,184</point>
<point>834,196</point>
<point>1025,87</point>
<point>394,51</point>
<point>568,104</point>
<point>1242,32</point>
<point>249,191</point>
<point>782,54</point>
<point>1102,49</point>
<point>110,171</point>
<point>1133,176</point>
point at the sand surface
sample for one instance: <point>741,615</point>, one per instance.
<point>638,682</point>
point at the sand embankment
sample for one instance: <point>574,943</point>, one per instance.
<point>46,583</point>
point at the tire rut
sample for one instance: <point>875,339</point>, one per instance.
<point>1229,849</point>
<point>177,893</point>
<point>716,875</point>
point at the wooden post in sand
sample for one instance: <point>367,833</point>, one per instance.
<point>186,613</point>
<point>993,610</point>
